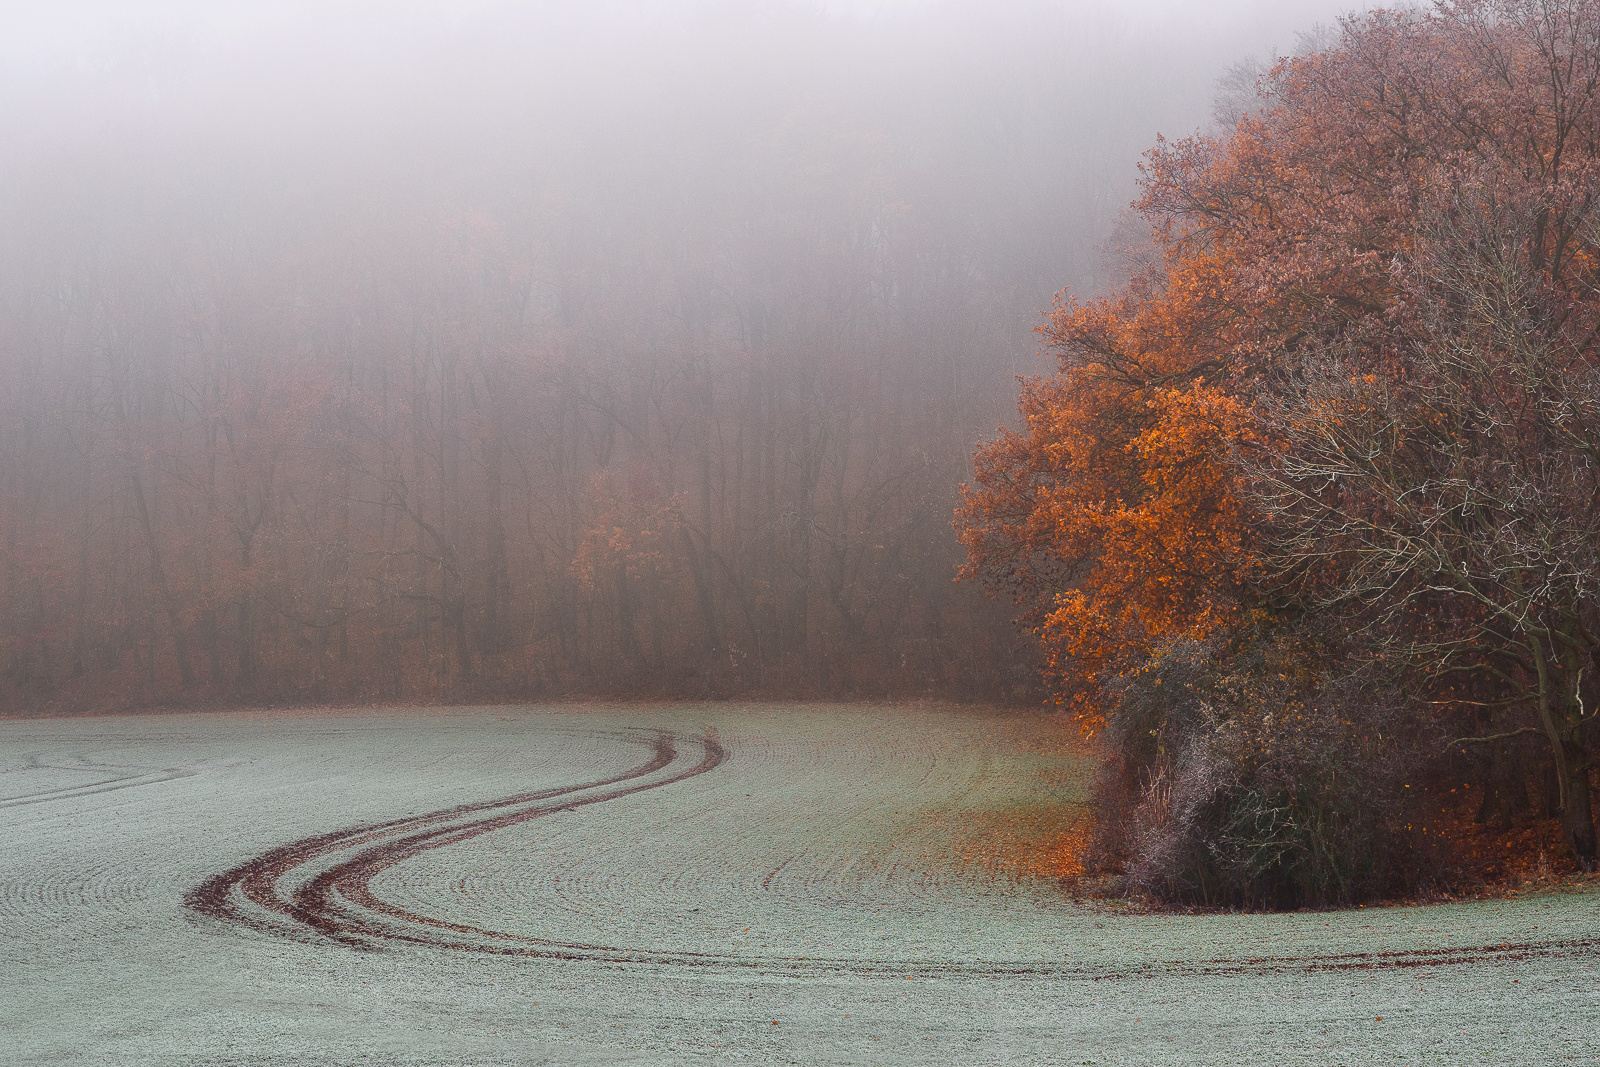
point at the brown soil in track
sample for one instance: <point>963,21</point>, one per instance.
<point>340,904</point>
<point>350,881</point>
<point>313,911</point>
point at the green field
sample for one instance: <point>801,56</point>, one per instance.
<point>680,884</point>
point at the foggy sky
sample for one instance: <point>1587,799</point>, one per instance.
<point>207,98</point>
<point>185,60</point>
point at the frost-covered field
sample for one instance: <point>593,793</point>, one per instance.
<point>812,885</point>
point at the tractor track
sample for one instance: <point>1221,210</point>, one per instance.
<point>114,777</point>
<point>321,888</point>
<point>253,895</point>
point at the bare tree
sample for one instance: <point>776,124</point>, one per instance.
<point>1448,495</point>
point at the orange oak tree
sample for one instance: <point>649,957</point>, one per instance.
<point>1321,387</point>
<point>1114,513</point>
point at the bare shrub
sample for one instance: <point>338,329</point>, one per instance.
<point>1252,772</point>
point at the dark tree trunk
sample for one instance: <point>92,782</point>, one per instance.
<point>180,638</point>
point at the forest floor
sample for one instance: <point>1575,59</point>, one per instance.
<point>812,884</point>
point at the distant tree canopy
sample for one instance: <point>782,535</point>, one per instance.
<point>455,453</point>
<point>611,349</point>
<point>1356,398</point>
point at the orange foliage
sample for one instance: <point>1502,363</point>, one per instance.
<point>1422,188</point>
<point>627,537</point>
<point>1114,511</point>
<point>1112,515</point>
<point>1028,845</point>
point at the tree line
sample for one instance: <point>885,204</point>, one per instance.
<point>453,464</point>
<point>631,351</point>
<point>1306,520</point>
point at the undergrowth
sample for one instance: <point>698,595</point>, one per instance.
<point>1239,777</point>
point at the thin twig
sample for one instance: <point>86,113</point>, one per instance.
<point>1494,737</point>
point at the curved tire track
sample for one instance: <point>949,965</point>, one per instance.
<point>338,903</point>
<point>321,888</point>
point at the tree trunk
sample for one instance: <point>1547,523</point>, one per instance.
<point>247,674</point>
<point>496,582</point>
<point>1577,817</point>
<point>1560,713</point>
<point>180,639</point>
<point>463,650</point>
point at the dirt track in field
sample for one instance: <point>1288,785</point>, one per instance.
<point>328,903</point>
<point>104,777</point>
<point>569,885</point>
<point>339,903</point>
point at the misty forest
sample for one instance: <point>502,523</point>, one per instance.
<point>587,375</point>
<point>518,520</point>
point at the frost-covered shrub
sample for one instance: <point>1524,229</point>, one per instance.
<point>1249,773</point>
